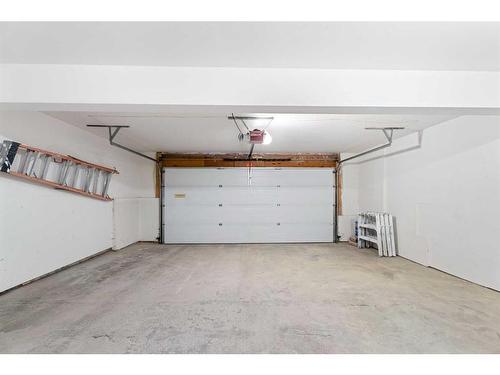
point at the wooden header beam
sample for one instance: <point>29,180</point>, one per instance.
<point>235,160</point>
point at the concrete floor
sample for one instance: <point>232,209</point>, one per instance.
<point>306,298</point>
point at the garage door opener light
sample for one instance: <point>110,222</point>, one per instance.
<point>255,136</point>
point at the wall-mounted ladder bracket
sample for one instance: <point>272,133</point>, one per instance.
<point>55,170</point>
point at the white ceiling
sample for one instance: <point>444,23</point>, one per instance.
<point>188,132</point>
<point>401,46</point>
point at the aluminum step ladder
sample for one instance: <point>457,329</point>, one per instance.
<point>55,170</point>
<point>377,228</point>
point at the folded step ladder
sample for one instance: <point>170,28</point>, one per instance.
<point>55,170</point>
<point>377,228</point>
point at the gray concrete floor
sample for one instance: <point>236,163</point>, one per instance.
<point>305,298</point>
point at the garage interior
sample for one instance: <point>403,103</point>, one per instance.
<point>249,187</point>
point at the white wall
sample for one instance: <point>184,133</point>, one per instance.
<point>135,219</point>
<point>303,88</point>
<point>350,198</point>
<point>42,229</point>
<point>444,192</point>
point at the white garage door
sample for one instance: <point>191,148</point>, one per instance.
<point>241,205</point>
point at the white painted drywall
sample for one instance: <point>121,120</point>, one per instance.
<point>149,223</point>
<point>350,197</point>
<point>135,219</point>
<point>212,132</point>
<point>265,88</point>
<point>444,191</point>
<point>126,224</point>
<point>323,45</point>
<point>42,229</point>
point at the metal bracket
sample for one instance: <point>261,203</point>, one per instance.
<point>113,132</point>
<point>388,132</point>
<point>243,118</point>
<point>241,135</point>
<point>249,157</point>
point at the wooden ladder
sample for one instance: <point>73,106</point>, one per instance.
<point>55,170</point>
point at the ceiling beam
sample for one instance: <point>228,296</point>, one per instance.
<point>301,89</point>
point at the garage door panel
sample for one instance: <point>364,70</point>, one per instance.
<point>280,207</point>
<point>205,195</point>
<point>306,195</point>
<point>284,232</point>
<point>272,214</point>
<point>292,178</point>
<point>305,213</point>
<point>253,195</point>
<point>209,177</point>
<point>309,232</point>
<point>194,233</point>
<point>244,214</point>
<point>226,195</point>
<point>239,233</point>
<point>248,215</point>
<point>192,215</point>
<point>191,196</point>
